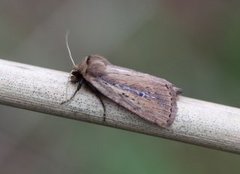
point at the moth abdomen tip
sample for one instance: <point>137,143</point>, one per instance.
<point>177,90</point>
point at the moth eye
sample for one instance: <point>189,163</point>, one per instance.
<point>74,73</point>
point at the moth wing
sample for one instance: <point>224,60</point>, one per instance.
<point>150,97</point>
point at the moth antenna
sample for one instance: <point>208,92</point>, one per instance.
<point>68,48</point>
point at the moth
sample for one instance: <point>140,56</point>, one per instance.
<point>151,98</point>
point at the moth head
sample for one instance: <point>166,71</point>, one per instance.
<point>76,76</point>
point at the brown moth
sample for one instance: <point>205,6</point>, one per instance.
<point>151,98</point>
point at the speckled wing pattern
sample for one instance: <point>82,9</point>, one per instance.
<point>150,97</point>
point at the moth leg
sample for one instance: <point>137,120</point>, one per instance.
<point>99,96</point>
<point>78,88</point>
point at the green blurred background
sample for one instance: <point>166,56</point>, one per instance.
<point>194,44</point>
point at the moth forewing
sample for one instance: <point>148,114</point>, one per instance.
<point>150,97</point>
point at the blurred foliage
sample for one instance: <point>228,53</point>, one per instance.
<point>194,44</point>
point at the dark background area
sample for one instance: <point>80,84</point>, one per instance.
<point>194,44</point>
